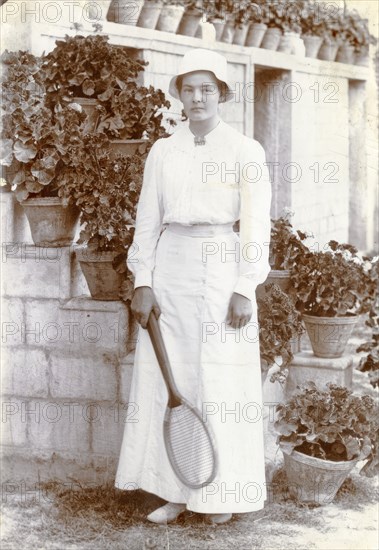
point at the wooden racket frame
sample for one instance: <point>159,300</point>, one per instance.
<point>175,399</point>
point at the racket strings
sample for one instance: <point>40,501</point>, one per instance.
<point>190,447</point>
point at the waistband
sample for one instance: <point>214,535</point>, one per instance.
<point>200,229</point>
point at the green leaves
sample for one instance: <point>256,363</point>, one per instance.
<point>279,322</point>
<point>333,282</point>
<point>286,244</point>
<point>24,152</point>
<point>333,424</point>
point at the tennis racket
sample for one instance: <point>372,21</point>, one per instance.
<point>188,442</point>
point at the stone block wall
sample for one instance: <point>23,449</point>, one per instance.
<point>66,366</point>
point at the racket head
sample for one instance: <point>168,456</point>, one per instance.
<point>190,445</point>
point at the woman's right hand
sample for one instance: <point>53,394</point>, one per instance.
<point>143,302</point>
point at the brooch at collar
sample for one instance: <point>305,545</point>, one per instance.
<point>199,140</point>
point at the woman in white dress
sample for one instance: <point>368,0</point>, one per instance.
<point>199,277</point>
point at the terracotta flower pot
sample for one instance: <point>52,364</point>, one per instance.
<point>345,54</point>
<point>312,45</point>
<point>362,58</point>
<point>271,39</point>
<point>51,224</point>
<point>150,13</point>
<point>126,147</point>
<point>240,34</point>
<point>281,277</point>
<point>228,30</point>
<point>255,34</point>
<point>314,480</point>
<point>206,31</point>
<point>189,23</point>
<point>103,281</point>
<point>169,18</point>
<point>125,12</point>
<point>291,43</point>
<point>89,106</point>
<point>328,51</point>
<point>97,10</point>
<point>219,27</point>
<point>285,44</point>
<point>329,335</point>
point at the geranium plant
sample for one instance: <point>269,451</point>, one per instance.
<point>332,283</point>
<point>286,243</point>
<point>106,193</point>
<point>332,424</point>
<point>90,67</point>
<point>287,15</point>
<point>279,323</point>
<point>358,32</point>
<point>194,6</point>
<point>35,138</point>
<point>321,19</point>
<point>370,362</point>
<point>258,12</point>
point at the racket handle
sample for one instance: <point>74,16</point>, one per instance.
<point>163,360</point>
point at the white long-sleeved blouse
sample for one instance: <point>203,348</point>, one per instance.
<point>220,182</point>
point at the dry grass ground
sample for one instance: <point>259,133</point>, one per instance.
<point>103,518</point>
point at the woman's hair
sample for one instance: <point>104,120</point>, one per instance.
<point>222,87</point>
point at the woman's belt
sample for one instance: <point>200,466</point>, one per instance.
<point>200,229</point>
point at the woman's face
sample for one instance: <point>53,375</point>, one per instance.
<point>200,95</point>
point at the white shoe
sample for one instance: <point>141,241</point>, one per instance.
<point>167,513</point>
<point>219,518</point>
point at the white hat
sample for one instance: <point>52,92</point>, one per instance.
<point>200,59</point>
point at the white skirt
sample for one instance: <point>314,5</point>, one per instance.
<point>216,367</point>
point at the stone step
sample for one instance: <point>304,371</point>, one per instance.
<point>307,367</point>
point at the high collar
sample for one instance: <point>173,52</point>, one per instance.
<point>214,137</point>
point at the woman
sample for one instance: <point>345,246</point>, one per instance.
<point>199,277</point>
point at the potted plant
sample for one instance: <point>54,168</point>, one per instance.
<point>36,139</point>
<point>312,29</point>
<point>216,14</point>
<point>98,9</point>
<point>170,16</point>
<point>272,17</point>
<point>232,18</point>
<point>370,362</point>
<point>105,186</point>
<point>257,24</point>
<point>125,12</point>
<point>91,72</point>
<point>361,38</point>
<point>331,28</point>
<point>289,14</point>
<point>323,434</point>
<point>279,325</point>
<point>191,18</point>
<point>150,13</point>
<point>90,69</point>
<point>345,53</point>
<point>330,288</point>
<point>286,245</point>
<point>106,192</point>
<point>242,22</point>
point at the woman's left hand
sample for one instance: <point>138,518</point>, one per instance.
<point>239,311</point>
